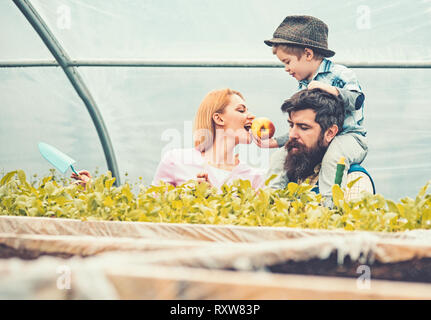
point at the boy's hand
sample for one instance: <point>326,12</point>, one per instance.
<point>326,87</point>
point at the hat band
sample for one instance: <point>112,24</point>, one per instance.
<point>302,40</point>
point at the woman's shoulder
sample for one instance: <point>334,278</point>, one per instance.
<point>182,155</point>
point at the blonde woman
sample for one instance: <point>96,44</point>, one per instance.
<point>222,121</point>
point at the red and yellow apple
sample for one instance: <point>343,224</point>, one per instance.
<point>262,128</point>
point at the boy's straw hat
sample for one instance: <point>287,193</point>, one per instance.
<point>305,31</point>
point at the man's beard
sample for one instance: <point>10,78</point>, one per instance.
<point>301,164</point>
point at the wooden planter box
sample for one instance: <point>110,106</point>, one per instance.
<point>176,231</point>
<point>115,276</point>
<point>29,246</point>
<point>298,263</point>
<point>195,284</point>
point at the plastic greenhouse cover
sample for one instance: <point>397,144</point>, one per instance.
<point>47,278</point>
<point>226,255</point>
<point>187,29</point>
<point>150,110</point>
<point>130,276</point>
<point>363,248</point>
<point>45,108</point>
<point>17,37</point>
<point>158,107</point>
<point>32,246</point>
<point>41,280</point>
<point>187,283</point>
<point>42,106</point>
<point>178,231</point>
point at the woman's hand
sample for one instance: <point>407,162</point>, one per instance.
<point>202,177</point>
<point>83,178</point>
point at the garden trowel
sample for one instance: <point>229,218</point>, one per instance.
<point>57,158</point>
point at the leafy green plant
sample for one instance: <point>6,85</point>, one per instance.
<point>235,204</point>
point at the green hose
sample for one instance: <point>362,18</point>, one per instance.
<point>340,171</point>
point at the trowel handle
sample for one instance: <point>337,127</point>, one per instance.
<point>74,171</point>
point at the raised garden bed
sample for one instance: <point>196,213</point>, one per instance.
<point>30,247</point>
<point>177,231</point>
<point>386,259</point>
<point>127,276</point>
<point>313,256</point>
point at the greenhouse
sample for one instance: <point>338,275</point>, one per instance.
<point>116,85</point>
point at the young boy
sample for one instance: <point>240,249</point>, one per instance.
<point>300,42</point>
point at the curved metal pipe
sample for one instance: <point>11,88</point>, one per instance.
<point>76,80</point>
<point>207,64</point>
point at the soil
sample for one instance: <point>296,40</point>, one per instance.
<point>7,252</point>
<point>415,270</point>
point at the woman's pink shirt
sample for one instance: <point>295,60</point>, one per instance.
<point>181,165</point>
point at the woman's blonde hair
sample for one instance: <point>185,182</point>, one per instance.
<point>204,128</point>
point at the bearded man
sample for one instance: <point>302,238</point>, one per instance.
<point>315,118</point>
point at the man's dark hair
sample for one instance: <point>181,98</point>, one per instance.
<point>329,109</point>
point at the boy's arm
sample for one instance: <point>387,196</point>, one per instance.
<point>348,89</point>
<point>282,140</point>
<point>324,86</point>
<point>353,100</point>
